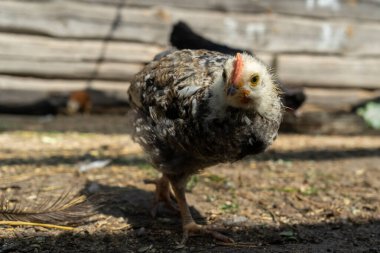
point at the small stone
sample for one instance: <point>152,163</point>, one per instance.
<point>141,231</point>
<point>235,220</point>
<point>93,187</point>
<point>145,248</point>
<point>179,246</point>
<point>8,247</point>
<point>165,220</point>
<point>40,239</point>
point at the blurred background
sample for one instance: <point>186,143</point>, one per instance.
<point>48,49</point>
<point>66,65</point>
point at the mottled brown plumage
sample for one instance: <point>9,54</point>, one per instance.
<point>196,108</point>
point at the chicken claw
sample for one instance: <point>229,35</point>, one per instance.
<point>195,229</point>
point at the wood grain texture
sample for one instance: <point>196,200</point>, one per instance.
<point>337,99</point>
<point>329,71</point>
<point>261,32</point>
<point>48,57</point>
<point>45,48</point>
<point>47,85</point>
<point>359,9</point>
<point>26,90</point>
<point>69,70</point>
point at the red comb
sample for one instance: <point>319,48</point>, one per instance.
<point>238,67</point>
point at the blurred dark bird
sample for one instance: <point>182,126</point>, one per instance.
<point>183,37</point>
<point>47,106</point>
<point>197,108</point>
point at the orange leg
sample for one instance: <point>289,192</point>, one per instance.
<point>188,223</point>
<point>162,195</point>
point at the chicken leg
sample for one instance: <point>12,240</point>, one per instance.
<point>188,223</point>
<point>162,195</point>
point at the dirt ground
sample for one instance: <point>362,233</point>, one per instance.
<point>305,194</point>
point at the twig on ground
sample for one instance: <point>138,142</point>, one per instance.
<point>34,224</point>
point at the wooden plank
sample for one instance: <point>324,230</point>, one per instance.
<point>75,70</point>
<point>329,71</point>
<point>44,48</point>
<point>364,40</point>
<point>78,20</point>
<point>23,90</point>
<point>354,9</point>
<point>268,59</point>
<point>337,99</point>
<point>361,9</point>
<point>260,32</point>
<point>57,85</point>
<point>70,70</point>
<point>49,57</point>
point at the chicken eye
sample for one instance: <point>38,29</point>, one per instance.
<point>255,80</point>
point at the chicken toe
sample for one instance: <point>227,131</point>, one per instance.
<point>195,229</point>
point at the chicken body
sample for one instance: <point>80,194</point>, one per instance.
<point>193,110</point>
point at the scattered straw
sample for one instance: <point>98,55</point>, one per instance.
<point>33,224</point>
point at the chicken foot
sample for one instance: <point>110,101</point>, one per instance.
<point>162,195</point>
<point>188,223</point>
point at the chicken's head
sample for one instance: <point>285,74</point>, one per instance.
<point>248,84</point>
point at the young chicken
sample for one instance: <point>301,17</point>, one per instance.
<point>197,108</point>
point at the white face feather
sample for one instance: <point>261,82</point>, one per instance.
<point>261,96</point>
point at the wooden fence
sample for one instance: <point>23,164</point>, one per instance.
<point>331,47</point>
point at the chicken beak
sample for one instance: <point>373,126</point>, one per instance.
<point>231,90</point>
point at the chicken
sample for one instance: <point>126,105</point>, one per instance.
<point>183,37</point>
<point>198,108</point>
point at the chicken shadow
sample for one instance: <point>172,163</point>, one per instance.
<point>340,236</point>
<point>134,204</point>
<point>163,232</point>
